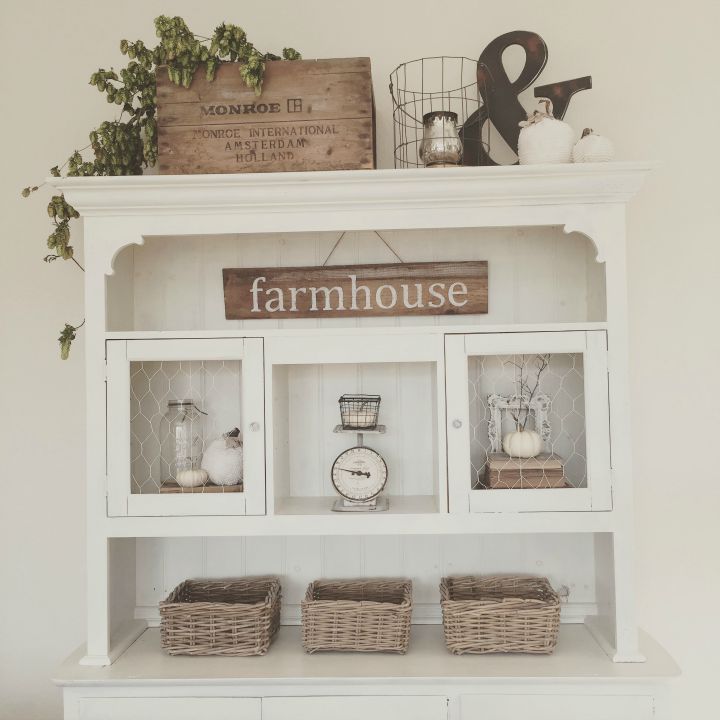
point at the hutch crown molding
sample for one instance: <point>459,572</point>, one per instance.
<point>554,239</point>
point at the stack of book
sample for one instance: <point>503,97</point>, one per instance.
<point>505,472</point>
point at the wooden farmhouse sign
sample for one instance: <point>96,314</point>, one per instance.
<point>435,288</point>
<point>311,115</point>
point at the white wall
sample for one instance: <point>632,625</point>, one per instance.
<point>653,66</point>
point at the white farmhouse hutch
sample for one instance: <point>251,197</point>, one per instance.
<point>554,238</point>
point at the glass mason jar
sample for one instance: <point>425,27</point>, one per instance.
<point>184,439</point>
<point>441,144</point>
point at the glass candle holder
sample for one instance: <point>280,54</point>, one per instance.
<point>441,145</point>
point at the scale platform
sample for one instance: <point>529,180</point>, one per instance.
<point>377,430</point>
<point>379,504</point>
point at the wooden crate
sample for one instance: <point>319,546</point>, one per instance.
<point>312,115</point>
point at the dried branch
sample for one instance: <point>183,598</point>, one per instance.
<point>525,392</point>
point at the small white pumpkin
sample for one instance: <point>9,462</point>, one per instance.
<point>522,444</point>
<point>592,147</point>
<point>223,460</point>
<point>544,138</point>
<point>191,478</point>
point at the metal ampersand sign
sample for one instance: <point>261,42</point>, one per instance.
<point>500,95</point>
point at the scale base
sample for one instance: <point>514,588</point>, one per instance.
<point>379,504</point>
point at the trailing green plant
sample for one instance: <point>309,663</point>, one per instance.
<point>128,144</point>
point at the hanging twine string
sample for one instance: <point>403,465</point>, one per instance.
<point>385,242</point>
<point>387,245</point>
<point>337,242</point>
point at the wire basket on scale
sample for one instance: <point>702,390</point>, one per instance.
<point>441,90</point>
<point>359,412</point>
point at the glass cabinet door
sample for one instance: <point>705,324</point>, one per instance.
<point>185,427</point>
<point>528,422</point>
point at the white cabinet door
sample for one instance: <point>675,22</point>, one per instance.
<point>486,374</point>
<point>186,708</point>
<point>356,708</point>
<point>556,707</point>
<point>224,378</point>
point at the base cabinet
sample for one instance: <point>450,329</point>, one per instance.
<point>641,701</point>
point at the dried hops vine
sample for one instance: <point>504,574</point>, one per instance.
<point>127,145</point>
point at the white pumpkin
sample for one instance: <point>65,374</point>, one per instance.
<point>545,139</point>
<point>592,147</point>
<point>522,444</point>
<point>223,461</point>
<point>191,478</point>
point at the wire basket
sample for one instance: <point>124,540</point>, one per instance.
<point>359,412</point>
<point>427,85</point>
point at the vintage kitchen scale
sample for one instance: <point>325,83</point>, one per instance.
<point>359,474</point>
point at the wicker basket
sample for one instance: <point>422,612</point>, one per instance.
<point>358,615</point>
<point>499,614</point>
<point>230,617</point>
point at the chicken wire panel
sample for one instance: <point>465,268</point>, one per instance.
<point>213,385</point>
<point>556,413</point>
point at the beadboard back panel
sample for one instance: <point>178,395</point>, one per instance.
<point>566,559</point>
<point>535,275</point>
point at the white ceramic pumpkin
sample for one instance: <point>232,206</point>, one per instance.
<point>191,478</point>
<point>522,444</point>
<point>223,461</point>
<point>544,138</point>
<point>592,147</point>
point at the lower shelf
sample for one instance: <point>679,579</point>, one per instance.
<point>577,656</point>
<point>409,515</point>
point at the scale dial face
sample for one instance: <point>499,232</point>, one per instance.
<point>359,474</point>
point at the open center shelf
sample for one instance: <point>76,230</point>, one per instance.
<point>306,446</point>
<point>577,656</point>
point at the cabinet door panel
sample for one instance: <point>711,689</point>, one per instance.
<point>224,379</point>
<point>554,383</point>
<point>188,708</point>
<point>356,708</point>
<point>556,707</point>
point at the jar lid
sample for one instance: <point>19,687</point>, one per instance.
<point>180,403</point>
